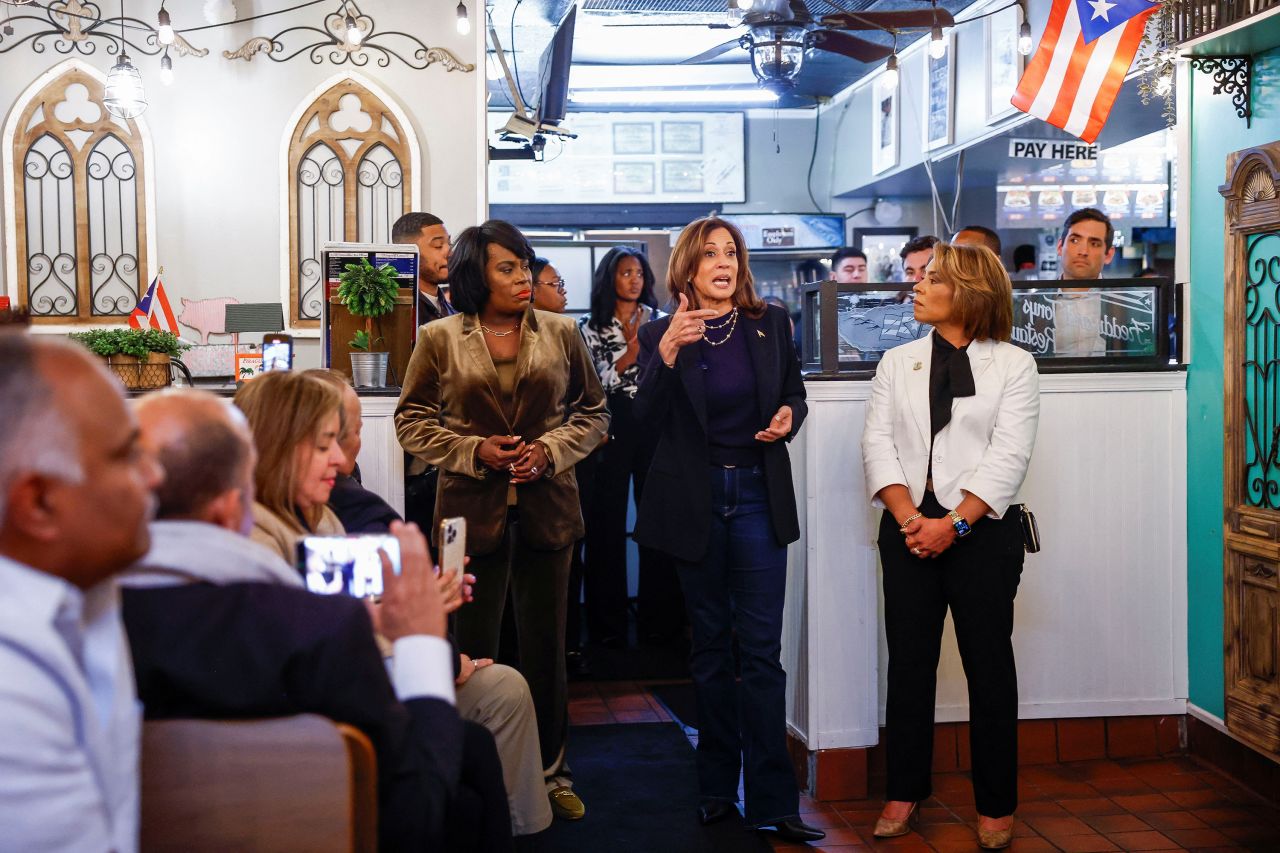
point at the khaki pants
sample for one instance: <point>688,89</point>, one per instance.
<point>497,697</point>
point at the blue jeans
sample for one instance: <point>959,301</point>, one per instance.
<point>738,587</point>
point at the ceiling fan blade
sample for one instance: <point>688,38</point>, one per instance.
<point>850,46</point>
<point>711,54</point>
<point>903,20</point>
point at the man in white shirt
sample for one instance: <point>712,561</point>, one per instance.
<point>1086,246</point>
<point>75,499</point>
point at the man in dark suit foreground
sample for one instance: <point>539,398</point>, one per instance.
<point>220,627</point>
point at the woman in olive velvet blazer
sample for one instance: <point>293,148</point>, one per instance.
<point>505,400</point>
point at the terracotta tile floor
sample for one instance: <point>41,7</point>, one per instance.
<point>1079,807</point>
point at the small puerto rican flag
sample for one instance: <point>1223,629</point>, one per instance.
<point>154,310</point>
<point>1084,55</point>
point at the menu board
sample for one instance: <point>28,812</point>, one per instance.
<point>629,158</point>
<point>1129,183</point>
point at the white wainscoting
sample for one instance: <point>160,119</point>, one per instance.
<point>1100,626</point>
<point>381,458</point>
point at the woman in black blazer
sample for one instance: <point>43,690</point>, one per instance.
<point>720,384</point>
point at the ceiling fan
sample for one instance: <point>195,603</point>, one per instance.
<point>780,31</point>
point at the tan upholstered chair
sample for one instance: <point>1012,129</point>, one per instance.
<point>292,784</point>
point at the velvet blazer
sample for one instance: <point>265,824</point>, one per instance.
<point>452,402</point>
<point>674,515</point>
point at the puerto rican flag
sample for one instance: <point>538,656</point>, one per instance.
<point>153,310</point>
<point>1086,50</point>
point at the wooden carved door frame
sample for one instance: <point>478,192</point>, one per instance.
<point>1251,446</point>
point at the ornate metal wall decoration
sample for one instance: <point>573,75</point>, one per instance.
<point>330,44</point>
<point>1231,75</point>
<point>73,26</point>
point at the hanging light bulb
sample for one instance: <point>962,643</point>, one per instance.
<point>164,29</point>
<point>890,77</point>
<point>464,23</point>
<point>937,43</point>
<point>354,34</point>
<point>1024,39</point>
<point>124,97</point>
<point>166,69</point>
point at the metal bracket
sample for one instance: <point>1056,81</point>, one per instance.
<point>1232,75</point>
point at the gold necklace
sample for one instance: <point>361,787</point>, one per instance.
<point>498,334</point>
<point>732,323</point>
<point>731,317</point>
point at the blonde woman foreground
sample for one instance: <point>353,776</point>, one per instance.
<point>949,433</point>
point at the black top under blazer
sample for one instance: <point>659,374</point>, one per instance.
<point>674,515</point>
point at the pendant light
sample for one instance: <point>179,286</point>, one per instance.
<point>124,97</point>
<point>164,27</point>
<point>464,22</point>
<point>1024,39</point>
<point>354,34</point>
<point>166,69</point>
<point>937,43</point>
<point>890,76</point>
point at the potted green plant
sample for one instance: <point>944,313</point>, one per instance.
<point>140,357</point>
<point>368,291</point>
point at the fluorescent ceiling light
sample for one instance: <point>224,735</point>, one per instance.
<point>673,96</point>
<point>660,76</point>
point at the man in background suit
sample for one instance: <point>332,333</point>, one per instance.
<point>222,628</point>
<point>427,232</point>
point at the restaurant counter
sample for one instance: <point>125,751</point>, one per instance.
<point>1100,624</point>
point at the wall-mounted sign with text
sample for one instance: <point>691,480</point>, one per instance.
<point>1051,149</point>
<point>806,231</point>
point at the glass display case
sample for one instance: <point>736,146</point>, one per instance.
<point>1121,324</point>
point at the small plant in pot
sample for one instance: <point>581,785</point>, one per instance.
<point>368,291</point>
<point>140,357</point>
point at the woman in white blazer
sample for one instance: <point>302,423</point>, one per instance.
<point>949,433</point>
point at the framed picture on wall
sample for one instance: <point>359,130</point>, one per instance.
<point>939,83</point>
<point>881,246</point>
<point>1004,63</point>
<point>884,126</point>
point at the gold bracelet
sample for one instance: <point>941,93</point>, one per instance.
<point>903,528</point>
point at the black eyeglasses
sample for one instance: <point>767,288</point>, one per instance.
<point>558,284</point>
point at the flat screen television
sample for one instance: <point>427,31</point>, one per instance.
<point>553,72</point>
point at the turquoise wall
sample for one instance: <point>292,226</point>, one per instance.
<point>1216,131</point>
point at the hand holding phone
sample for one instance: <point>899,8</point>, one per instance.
<point>411,603</point>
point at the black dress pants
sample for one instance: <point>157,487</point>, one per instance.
<point>538,581</point>
<point>624,460</point>
<point>977,578</point>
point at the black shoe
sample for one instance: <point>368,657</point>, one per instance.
<point>794,829</point>
<point>713,811</point>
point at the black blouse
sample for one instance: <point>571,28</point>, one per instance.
<point>949,377</point>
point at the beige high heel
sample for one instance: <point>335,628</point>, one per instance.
<point>890,828</point>
<point>995,839</point>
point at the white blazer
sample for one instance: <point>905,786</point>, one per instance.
<point>985,449</point>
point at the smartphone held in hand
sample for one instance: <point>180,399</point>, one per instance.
<point>453,544</point>
<point>350,564</point>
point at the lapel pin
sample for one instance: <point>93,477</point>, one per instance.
<point>760,333</point>
<point>917,366</point>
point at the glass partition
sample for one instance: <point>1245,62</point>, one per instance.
<point>1120,324</point>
